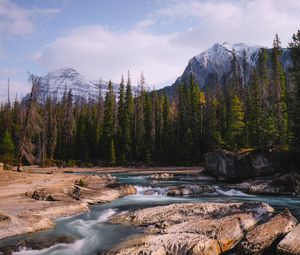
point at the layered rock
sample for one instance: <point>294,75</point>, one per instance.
<point>291,243</point>
<point>226,165</point>
<point>287,184</point>
<point>263,236</point>
<point>53,196</point>
<point>192,228</point>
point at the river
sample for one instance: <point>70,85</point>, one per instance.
<point>91,234</point>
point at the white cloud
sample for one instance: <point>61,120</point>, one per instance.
<point>254,21</point>
<point>18,21</point>
<point>99,51</point>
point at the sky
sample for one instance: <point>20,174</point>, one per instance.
<point>103,39</point>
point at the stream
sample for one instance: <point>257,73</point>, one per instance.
<point>89,233</point>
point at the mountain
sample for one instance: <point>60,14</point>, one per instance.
<point>214,65</point>
<point>59,81</point>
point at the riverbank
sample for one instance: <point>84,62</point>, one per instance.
<point>98,231</point>
<point>30,202</point>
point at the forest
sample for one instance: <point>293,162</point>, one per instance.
<point>262,112</point>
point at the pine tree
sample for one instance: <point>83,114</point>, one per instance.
<point>109,123</point>
<point>236,124</point>
<point>294,47</point>
<point>121,124</point>
<point>279,94</point>
<point>166,133</point>
<point>128,120</point>
<point>255,112</point>
<point>7,148</point>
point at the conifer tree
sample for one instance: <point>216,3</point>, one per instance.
<point>236,124</point>
<point>7,148</point>
<point>128,120</point>
<point>294,47</point>
<point>109,124</point>
<point>121,123</point>
<point>278,94</point>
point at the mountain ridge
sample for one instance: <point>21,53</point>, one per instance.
<point>214,64</point>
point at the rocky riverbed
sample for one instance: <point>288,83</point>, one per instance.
<point>176,213</point>
<point>31,202</point>
<point>206,228</point>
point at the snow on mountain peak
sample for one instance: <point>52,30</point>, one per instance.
<point>57,82</point>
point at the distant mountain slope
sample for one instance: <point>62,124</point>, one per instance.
<point>59,81</point>
<point>214,65</point>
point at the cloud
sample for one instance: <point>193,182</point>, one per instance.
<point>18,21</point>
<point>98,51</point>
<point>254,21</point>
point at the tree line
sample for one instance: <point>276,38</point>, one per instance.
<point>254,108</point>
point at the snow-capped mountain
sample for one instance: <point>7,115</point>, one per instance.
<point>214,65</point>
<point>59,81</point>
<point>216,61</point>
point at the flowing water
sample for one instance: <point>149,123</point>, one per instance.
<point>91,234</point>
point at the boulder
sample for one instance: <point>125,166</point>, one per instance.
<point>168,244</point>
<point>44,194</point>
<point>226,165</point>
<point>191,228</point>
<point>290,245</point>
<point>263,236</point>
<point>190,190</point>
<point>287,184</point>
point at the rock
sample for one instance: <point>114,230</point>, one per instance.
<point>290,245</point>
<point>226,165</point>
<point>35,244</point>
<point>263,236</point>
<point>4,220</point>
<point>169,244</point>
<point>287,184</point>
<point>190,190</point>
<point>228,230</point>
<point>177,213</point>
<point>192,228</point>
<point>43,194</point>
<point>149,192</point>
<point>161,176</point>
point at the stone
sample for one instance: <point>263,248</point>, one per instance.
<point>290,245</point>
<point>190,190</point>
<point>229,166</point>
<point>263,236</point>
<point>191,228</point>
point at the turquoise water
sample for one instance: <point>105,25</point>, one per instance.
<point>92,234</point>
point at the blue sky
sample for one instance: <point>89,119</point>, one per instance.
<point>105,38</point>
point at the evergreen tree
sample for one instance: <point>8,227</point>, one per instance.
<point>128,121</point>
<point>109,124</point>
<point>294,47</point>
<point>121,124</point>
<point>255,112</point>
<point>236,124</point>
<point>7,148</point>
<point>279,94</point>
